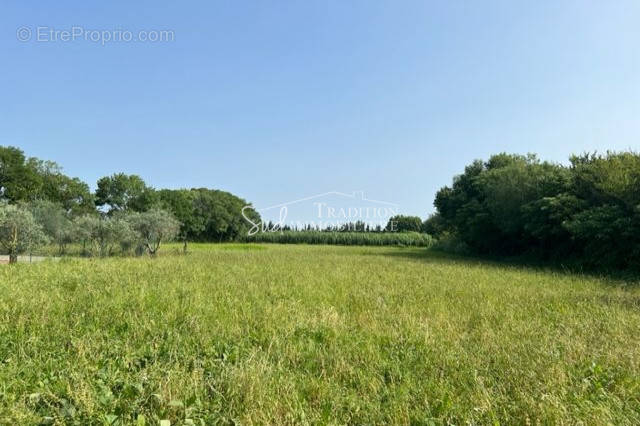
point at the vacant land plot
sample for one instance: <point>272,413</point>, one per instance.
<point>314,334</point>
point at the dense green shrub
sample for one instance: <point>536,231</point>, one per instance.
<point>343,238</point>
<point>588,212</point>
<point>434,225</point>
<point>400,223</point>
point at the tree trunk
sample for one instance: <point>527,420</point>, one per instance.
<point>13,252</point>
<point>151,251</point>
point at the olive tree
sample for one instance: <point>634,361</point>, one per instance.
<point>19,231</point>
<point>154,227</point>
<point>102,233</point>
<point>83,227</point>
<point>54,221</point>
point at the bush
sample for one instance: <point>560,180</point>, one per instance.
<point>402,223</point>
<point>343,238</point>
<point>513,205</point>
<point>434,225</point>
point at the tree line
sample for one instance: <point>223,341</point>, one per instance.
<point>124,213</point>
<point>397,223</point>
<point>587,212</point>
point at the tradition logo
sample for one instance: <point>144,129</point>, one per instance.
<point>331,210</point>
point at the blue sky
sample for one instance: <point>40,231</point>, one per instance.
<point>275,101</point>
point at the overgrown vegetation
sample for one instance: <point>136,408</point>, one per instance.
<point>204,214</point>
<point>27,226</point>
<point>588,212</point>
<point>317,335</point>
<point>343,238</point>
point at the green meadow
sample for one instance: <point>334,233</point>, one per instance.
<point>276,334</point>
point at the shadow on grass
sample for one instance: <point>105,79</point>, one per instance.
<point>612,277</point>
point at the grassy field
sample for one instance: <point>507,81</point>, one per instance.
<point>314,334</point>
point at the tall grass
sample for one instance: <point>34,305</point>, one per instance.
<point>274,334</point>
<point>344,238</point>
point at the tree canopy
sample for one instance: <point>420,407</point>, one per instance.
<point>154,227</point>
<point>512,204</point>
<point>207,214</point>
<point>121,192</point>
<point>204,214</point>
<point>30,179</point>
<point>400,223</point>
